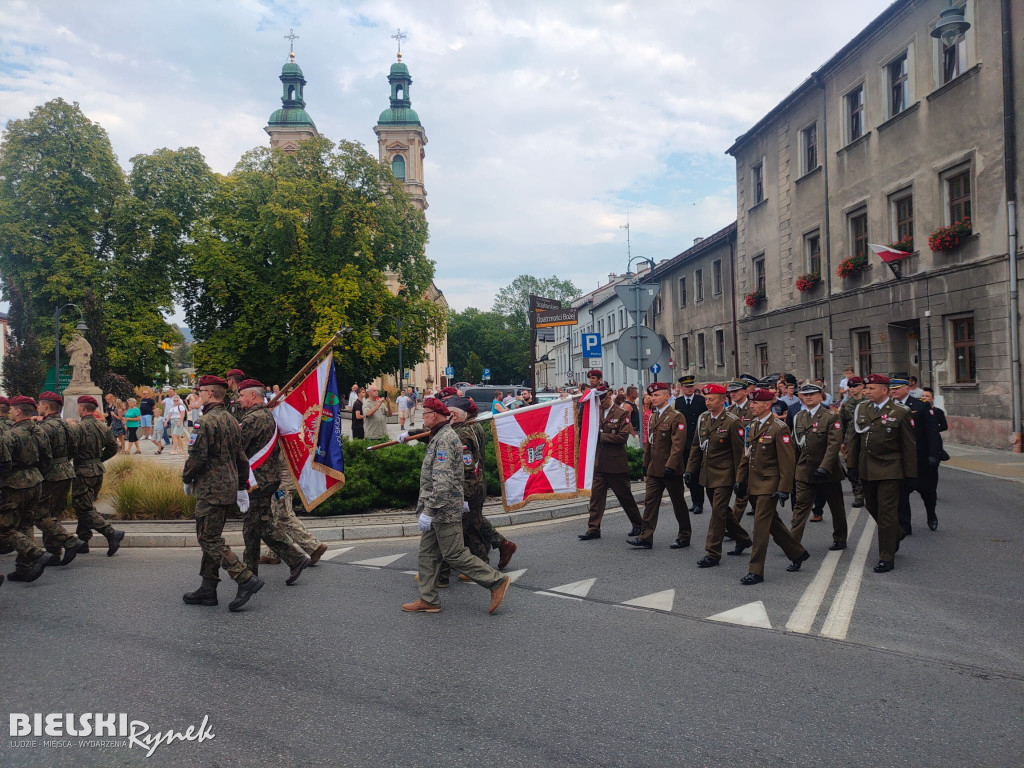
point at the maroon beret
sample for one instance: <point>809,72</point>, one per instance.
<point>444,392</point>
<point>23,400</point>
<point>4,401</point>
<point>762,395</point>
<point>713,389</point>
<point>602,389</point>
<point>209,380</point>
<point>435,405</point>
<point>657,386</point>
<point>53,397</point>
<point>236,373</point>
<point>595,372</point>
<point>87,400</point>
<point>854,381</point>
<point>876,378</point>
<point>247,383</point>
<point>472,411</point>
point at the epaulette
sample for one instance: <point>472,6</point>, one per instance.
<point>731,415</point>
<point>901,405</point>
<point>781,422</point>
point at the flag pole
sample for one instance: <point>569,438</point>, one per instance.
<point>313,362</point>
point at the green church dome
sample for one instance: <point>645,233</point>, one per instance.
<point>399,116</point>
<point>398,69</point>
<point>291,118</point>
<point>291,68</point>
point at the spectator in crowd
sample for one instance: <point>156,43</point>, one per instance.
<point>115,418</point>
<point>132,417</point>
<point>844,385</point>
<point>497,404</point>
<point>915,389</point>
<point>357,414</point>
<point>159,423</point>
<point>174,423</point>
<point>404,410</point>
<point>146,412</point>
<point>194,406</point>
<point>353,396</point>
<point>376,410</point>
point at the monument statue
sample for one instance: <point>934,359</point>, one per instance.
<point>81,357</point>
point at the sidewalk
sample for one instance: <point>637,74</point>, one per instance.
<point>985,461</point>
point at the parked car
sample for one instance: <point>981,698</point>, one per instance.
<point>483,395</point>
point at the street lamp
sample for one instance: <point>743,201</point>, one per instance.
<point>80,326</point>
<point>636,293</point>
<point>398,327</point>
<point>951,25</point>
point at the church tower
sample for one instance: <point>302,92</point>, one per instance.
<point>400,136</point>
<point>291,125</point>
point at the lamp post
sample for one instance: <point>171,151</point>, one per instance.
<point>636,294</point>
<point>951,25</point>
<point>79,326</point>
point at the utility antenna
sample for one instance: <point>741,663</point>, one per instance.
<point>629,254</point>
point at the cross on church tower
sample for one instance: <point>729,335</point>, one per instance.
<point>291,37</point>
<point>399,36</point>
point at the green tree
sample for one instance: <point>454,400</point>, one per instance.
<point>24,369</point>
<point>497,342</point>
<point>473,368</point>
<point>513,300</point>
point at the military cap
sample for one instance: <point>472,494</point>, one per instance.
<point>762,395</point>
<point>657,386</point>
<point>750,379</point>
<point>899,380</point>
<point>735,386</point>
<point>87,400</point>
<point>444,392</point>
<point>687,381</point>
<point>603,389</point>
<point>23,400</point>
<point>713,389</point>
<point>595,372</point>
<point>435,405</point>
<point>854,381</point>
<point>4,401</point>
<point>472,410</point>
<point>454,401</point>
<point>789,378</point>
<point>876,378</point>
<point>234,373</point>
<point>53,397</point>
<point>811,389</point>
<point>209,380</point>
<point>250,383</point>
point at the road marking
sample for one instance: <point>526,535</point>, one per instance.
<point>749,615</point>
<point>660,601</point>
<point>806,610</point>
<point>514,575</point>
<point>837,623</point>
<point>576,589</point>
<point>412,573</point>
<point>379,562</point>
<point>333,553</point>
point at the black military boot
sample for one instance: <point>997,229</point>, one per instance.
<point>246,590</point>
<point>114,543</point>
<point>33,570</point>
<point>72,549</point>
<point>57,552</point>
<point>203,596</point>
<point>84,549</point>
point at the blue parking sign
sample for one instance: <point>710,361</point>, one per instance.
<point>591,344</point>
<point>487,373</point>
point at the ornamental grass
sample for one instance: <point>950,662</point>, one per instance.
<point>146,490</point>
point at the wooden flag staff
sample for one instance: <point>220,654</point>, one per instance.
<point>313,363</point>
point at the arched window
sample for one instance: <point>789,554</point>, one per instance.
<point>398,92</point>
<point>291,93</point>
<point>398,167</point>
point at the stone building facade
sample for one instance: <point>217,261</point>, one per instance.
<point>896,136</point>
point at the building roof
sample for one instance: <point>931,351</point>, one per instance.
<point>400,116</point>
<point>707,244</point>
<point>291,118</point>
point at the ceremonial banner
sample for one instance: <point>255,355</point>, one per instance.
<point>590,429</point>
<point>536,453</point>
<point>307,421</point>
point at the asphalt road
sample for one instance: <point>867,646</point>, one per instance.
<point>918,667</point>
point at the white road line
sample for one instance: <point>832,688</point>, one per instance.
<point>837,623</point>
<point>749,615</point>
<point>379,562</point>
<point>803,616</point>
<point>333,553</point>
<point>661,601</point>
<point>575,590</point>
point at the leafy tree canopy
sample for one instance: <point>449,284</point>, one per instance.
<point>513,300</point>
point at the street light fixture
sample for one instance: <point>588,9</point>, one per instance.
<point>951,25</point>
<point>80,326</point>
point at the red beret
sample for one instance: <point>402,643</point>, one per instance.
<point>603,389</point>
<point>247,383</point>
<point>435,405</point>
<point>713,389</point>
<point>23,400</point>
<point>209,380</point>
<point>595,372</point>
<point>657,386</point>
<point>236,373</point>
<point>53,397</point>
<point>444,392</point>
<point>4,400</point>
<point>87,400</point>
<point>762,395</point>
<point>854,381</point>
<point>876,378</point>
<point>472,411</point>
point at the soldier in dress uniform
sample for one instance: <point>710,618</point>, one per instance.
<point>259,442</point>
<point>611,468</point>
<point>21,465</point>
<point>94,444</point>
<point>716,454</point>
<point>929,448</point>
<point>766,474</point>
<point>234,377</point>
<point>739,391</point>
<point>819,435</point>
<point>217,471</point>
<point>60,439</point>
<point>664,468</point>
<point>882,453</point>
<point>855,390</point>
<point>691,404</point>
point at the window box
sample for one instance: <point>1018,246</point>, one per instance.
<point>904,244</point>
<point>808,282</point>
<point>754,298</point>
<point>949,238</point>
<point>852,266</point>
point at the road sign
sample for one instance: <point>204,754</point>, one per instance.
<point>549,318</point>
<point>487,373</point>
<point>650,347</point>
<point>539,303</point>
<point>591,344</point>
<point>449,371</point>
<point>594,362</point>
<point>656,369</point>
<point>630,293</point>
<point>671,363</point>
<point>407,374</point>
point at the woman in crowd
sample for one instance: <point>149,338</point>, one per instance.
<point>175,424</point>
<point>115,420</point>
<point>357,415</point>
<point>132,418</point>
<point>194,407</point>
<point>159,424</point>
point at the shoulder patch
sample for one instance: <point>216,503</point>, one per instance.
<point>193,437</point>
<point>898,404</point>
<point>785,438</point>
<point>442,455</point>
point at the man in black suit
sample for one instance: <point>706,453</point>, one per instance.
<point>691,405</point>
<point>929,446</point>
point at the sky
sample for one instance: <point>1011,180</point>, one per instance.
<point>549,122</point>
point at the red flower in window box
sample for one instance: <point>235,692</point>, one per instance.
<point>948,238</point>
<point>754,298</point>
<point>904,244</point>
<point>852,266</point>
<point>806,282</point>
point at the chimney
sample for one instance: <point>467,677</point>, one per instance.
<point>697,240</point>
<point>612,277</point>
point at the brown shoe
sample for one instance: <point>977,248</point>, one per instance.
<point>316,554</point>
<point>269,560</point>
<point>420,606</point>
<point>506,549</point>
<point>498,594</point>
<point>464,577</point>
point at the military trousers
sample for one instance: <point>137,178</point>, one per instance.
<point>722,522</point>
<point>287,522</point>
<point>473,535</point>
<point>767,523</point>
<point>925,483</point>
<point>694,487</point>
<point>882,499</point>
<point>656,487</point>
<point>740,506</point>
<point>618,483</point>
<point>805,499</point>
<point>444,543</point>
<point>258,525</point>
<point>53,500</point>
<point>210,519</point>
<point>16,508</point>
<point>84,490</point>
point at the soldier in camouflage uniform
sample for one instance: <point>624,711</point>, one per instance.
<point>94,444</point>
<point>234,378</point>
<point>53,498</point>
<point>5,415</point>
<point>440,510</point>
<point>217,471</point>
<point>289,524</point>
<point>856,390</point>
<point>19,490</point>
<point>259,431</point>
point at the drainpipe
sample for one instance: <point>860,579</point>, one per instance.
<point>1010,175</point>
<point>828,229</point>
<point>735,330</point>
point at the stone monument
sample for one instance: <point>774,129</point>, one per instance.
<point>81,382</point>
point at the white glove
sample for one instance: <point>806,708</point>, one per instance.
<point>243,500</point>
<point>425,522</point>
<point>403,436</point>
<point>187,487</point>
<point>465,507</point>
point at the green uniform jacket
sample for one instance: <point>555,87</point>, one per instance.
<point>61,437</point>
<point>441,476</point>
<point>234,406</point>
<point>666,443</point>
<point>258,428</point>
<point>611,442</point>
<point>216,462</point>
<point>846,414</point>
<point>717,449</point>
<point>882,444</point>
<point>94,444</point>
<point>819,439</point>
<point>769,460</point>
<point>472,457</point>
<point>30,456</point>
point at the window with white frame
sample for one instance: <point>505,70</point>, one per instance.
<point>854,102</point>
<point>809,148</point>
<point>812,252</point>
<point>953,59</point>
<point>898,75</point>
<point>757,183</point>
<point>611,323</point>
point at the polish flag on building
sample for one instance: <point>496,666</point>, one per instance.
<point>537,453</point>
<point>299,418</point>
<point>887,254</point>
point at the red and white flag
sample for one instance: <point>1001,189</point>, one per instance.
<point>590,428</point>
<point>536,453</point>
<point>887,254</point>
<point>298,424</point>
